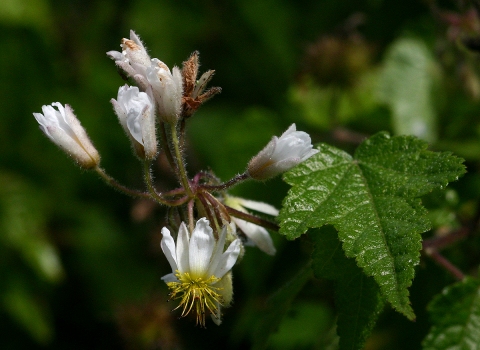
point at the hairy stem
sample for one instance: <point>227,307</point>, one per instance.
<point>115,184</point>
<point>158,197</point>
<point>226,185</point>
<point>180,162</point>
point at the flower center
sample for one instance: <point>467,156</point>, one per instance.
<point>197,294</point>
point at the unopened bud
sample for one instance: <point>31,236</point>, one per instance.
<point>281,154</point>
<point>167,90</point>
<point>63,128</point>
<point>134,59</point>
<point>136,114</point>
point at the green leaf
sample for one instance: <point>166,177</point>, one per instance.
<point>357,296</point>
<point>371,200</point>
<point>405,85</point>
<point>278,305</point>
<point>455,314</point>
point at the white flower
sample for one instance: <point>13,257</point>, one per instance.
<point>281,154</point>
<point>166,85</point>
<point>133,60</point>
<point>136,114</point>
<point>257,235</point>
<point>200,269</point>
<point>63,128</point>
<point>167,89</point>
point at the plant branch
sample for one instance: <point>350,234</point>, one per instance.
<point>115,184</point>
<point>442,261</point>
<point>180,161</point>
<point>226,185</point>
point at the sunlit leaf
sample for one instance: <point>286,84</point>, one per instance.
<point>371,200</point>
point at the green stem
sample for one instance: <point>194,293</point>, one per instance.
<point>112,182</point>
<point>153,192</point>
<point>191,223</point>
<point>181,164</point>
<point>226,185</point>
<point>168,152</point>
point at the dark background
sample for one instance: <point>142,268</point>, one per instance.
<point>80,264</point>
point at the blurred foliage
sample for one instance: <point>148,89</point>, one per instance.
<point>80,264</point>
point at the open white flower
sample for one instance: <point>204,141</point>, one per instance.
<point>256,235</point>
<point>63,128</point>
<point>200,275</point>
<point>136,114</point>
<point>281,154</point>
<point>167,90</point>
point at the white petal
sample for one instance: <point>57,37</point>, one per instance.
<point>217,317</point>
<point>168,248</point>
<point>228,259</point>
<point>182,249</point>
<point>258,235</point>
<point>201,247</point>
<point>134,123</point>
<point>170,278</point>
<point>259,206</point>
<point>217,253</point>
<point>115,55</point>
<point>291,128</point>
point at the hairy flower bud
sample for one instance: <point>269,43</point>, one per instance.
<point>63,128</point>
<point>167,90</point>
<point>281,154</point>
<point>136,114</point>
<point>133,60</point>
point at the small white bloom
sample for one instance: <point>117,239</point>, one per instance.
<point>136,114</point>
<point>167,89</point>
<point>166,85</point>
<point>200,269</point>
<point>133,60</point>
<point>281,154</point>
<point>257,235</point>
<point>63,128</point>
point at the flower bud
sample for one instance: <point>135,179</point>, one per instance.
<point>63,128</point>
<point>281,154</point>
<point>134,59</point>
<point>167,90</point>
<point>136,114</point>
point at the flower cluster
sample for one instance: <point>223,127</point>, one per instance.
<point>213,227</point>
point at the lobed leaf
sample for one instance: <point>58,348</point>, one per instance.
<point>357,296</point>
<point>455,314</point>
<point>371,199</point>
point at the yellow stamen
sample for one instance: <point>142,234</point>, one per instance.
<point>197,294</point>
